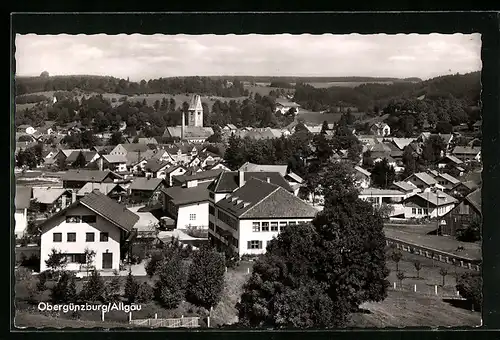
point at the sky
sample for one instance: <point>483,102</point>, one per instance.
<point>153,56</point>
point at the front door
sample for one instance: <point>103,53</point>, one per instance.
<point>107,260</point>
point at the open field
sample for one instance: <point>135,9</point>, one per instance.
<point>406,309</point>
<point>442,243</point>
<point>321,85</point>
<point>264,89</point>
<point>25,319</point>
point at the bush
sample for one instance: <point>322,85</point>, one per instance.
<point>64,291</point>
<point>93,289</point>
<point>131,288</point>
<point>470,287</point>
<point>152,264</point>
<point>42,279</point>
<point>145,293</point>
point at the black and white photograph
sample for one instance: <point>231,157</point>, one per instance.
<point>250,181</point>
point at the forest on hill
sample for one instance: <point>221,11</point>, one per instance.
<point>466,87</point>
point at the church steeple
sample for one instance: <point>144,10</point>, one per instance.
<point>195,111</point>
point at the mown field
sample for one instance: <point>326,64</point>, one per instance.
<point>317,118</point>
<point>322,85</point>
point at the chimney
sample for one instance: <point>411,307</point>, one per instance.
<point>268,180</point>
<point>241,178</point>
<point>183,125</point>
<point>73,196</point>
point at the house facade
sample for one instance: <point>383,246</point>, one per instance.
<point>462,215</point>
<point>245,220</point>
<point>96,223</point>
<point>428,205</point>
<point>188,207</point>
<point>22,204</point>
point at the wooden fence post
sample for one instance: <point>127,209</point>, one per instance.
<point>436,289</point>
<point>394,284</point>
<point>248,270</point>
<point>102,315</point>
<point>208,321</point>
<point>415,288</point>
<point>129,316</point>
<point>156,315</point>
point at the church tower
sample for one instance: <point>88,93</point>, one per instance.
<point>195,110</point>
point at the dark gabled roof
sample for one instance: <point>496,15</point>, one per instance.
<point>260,199</point>
<point>471,185</point>
<point>424,177</point>
<point>88,175</point>
<point>475,199</point>
<point>145,183</point>
<point>106,207</point>
<point>155,165</point>
<point>182,196</point>
<point>173,168</point>
<point>191,176</point>
<point>451,158</point>
<point>449,178</point>
<point>404,186</point>
<point>23,197</point>
<point>89,155</point>
<point>228,180</point>
<point>136,147</point>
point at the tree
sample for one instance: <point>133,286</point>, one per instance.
<point>153,264</point>
<point>56,260</point>
<point>42,279</point>
<point>145,293</point>
<point>470,287</point>
<point>324,127</point>
<point>80,161</point>
<point>89,258</point>
<point>71,293</point>
<point>170,288</point>
<point>234,155</point>
<point>354,152</point>
<point>367,160</point>
<point>116,138</point>
<point>206,278</point>
<point>418,267</point>
<point>44,74</point>
<point>93,289</point>
<point>433,148</point>
<point>59,292</point>
<point>112,289</point>
<point>443,272</point>
<point>400,276</point>
<point>131,288</point>
<point>316,274</point>
<point>444,127</point>
<point>26,158</point>
<point>383,174</point>
<point>396,256</point>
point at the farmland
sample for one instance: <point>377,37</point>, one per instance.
<point>322,85</point>
<point>317,118</point>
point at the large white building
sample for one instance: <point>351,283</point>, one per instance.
<point>22,203</point>
<point>248,217</point>
<point>95,222</point>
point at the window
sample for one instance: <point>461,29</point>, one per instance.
<point>72,219</point>
<point>104,237</point>
<point>274,226</point>
<point>211,226</point>
<point>426,211</point>
<point>414,211</point>
<point>283,225</point>
<point>211,210</point>
<point>254,245</point>
<point>76,258</point>
<point>265,226</point>
<point>89,237</point>
<point>292,223</point>
<point>57,237</point>
<point>256,227</point>
<point>71,237</point>
<point>420,211</point>
<point>192,217</point>
<point>89,219</point>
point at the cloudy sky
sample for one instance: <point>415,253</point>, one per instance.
<point>153,56</point>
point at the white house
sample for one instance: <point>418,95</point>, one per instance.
<point>283,106</point>
<point>428,204</point>
<point>362,177</point>
<point>22,203</point>
<point>380,129</point>
<point>246,219</point>
<point>115,162</point>
<point>391,197</point>
<point>187,206</point>
<point>95,222</point>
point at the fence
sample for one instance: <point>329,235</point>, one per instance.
<point>430,291</point>
<point>435,254</point>
<point>189,322</point>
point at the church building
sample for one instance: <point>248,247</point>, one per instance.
<point>194,132</point>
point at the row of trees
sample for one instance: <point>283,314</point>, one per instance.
<point>201,85</point>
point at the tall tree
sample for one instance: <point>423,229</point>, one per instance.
<point>324,127</point>
<point>206,278</point>
<point>80,161</point>
<point>116,138</point>
<point>383,174</point>
<point>315,275</point>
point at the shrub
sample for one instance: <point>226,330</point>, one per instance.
<point>93,289</point>
<point>131,288</point>
<point>152,264</point>
<point>42,279</point>
<point>170,287</point>
<point>145,293</point>
<point>61,292</point>
<point>112,289</point>
<point>470,287</point>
